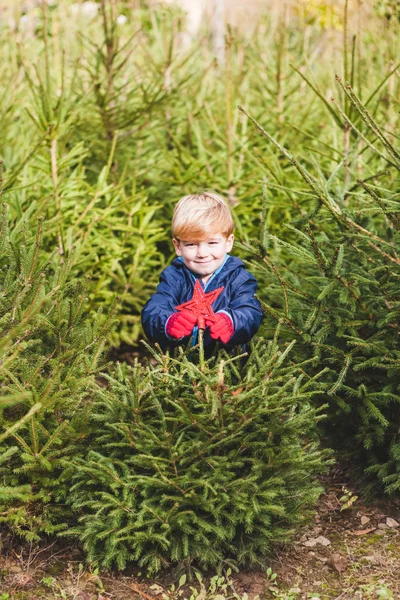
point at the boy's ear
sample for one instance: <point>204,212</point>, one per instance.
<point>177,246</point>
<point>229,242</point>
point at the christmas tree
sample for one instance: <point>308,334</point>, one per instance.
<point>334,287</point>
<point>205,462</point>
<point>49,353</point>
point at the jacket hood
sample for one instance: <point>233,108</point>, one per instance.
<point>231,264</point>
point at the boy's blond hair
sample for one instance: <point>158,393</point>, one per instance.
<point>198,216</point>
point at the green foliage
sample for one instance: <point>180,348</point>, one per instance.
<point>207,464</point>
<point>105,126</point>
<point>219,587</point>
<point>49,354</point>
<point>390,9</point>
<point>335,288</point>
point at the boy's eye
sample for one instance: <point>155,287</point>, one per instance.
<point>212,243</point>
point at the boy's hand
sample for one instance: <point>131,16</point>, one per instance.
<point>221,329</point>
<point>180,324</point>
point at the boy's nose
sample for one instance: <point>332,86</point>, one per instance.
<point>202,251</point>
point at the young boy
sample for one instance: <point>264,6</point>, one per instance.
<point>202,230</point>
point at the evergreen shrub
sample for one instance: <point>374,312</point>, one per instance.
<point>335,289</point>
<point>50,351</point>
<point>206,463</point>
<point>105,125</point>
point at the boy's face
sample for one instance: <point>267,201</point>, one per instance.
<point>206,256</point>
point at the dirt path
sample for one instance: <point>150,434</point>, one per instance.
<point>361,558</point>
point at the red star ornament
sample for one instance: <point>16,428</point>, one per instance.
<point>200,304</point>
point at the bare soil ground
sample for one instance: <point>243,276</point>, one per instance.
<point>351,551</point>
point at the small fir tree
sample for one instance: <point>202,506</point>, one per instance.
<point>49,354</point>
<point>206,463</point>
<point>335,289</point>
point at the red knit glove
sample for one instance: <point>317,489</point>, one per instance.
<point>180,324</point>
<point>221,329</point>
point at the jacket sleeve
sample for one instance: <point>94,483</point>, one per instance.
<point>244,309</point>
<point>158,309</point>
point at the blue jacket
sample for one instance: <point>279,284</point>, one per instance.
<point>176,287</point>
